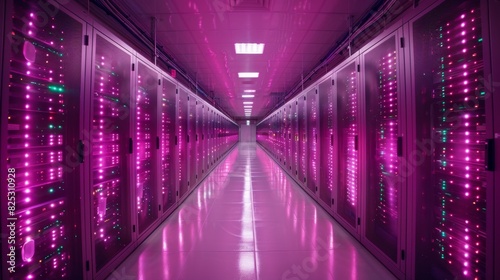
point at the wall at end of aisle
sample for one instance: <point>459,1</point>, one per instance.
<point>247,131</point>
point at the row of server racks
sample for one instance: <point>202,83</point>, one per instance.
<point>397,143</point>
<point>98,145</point>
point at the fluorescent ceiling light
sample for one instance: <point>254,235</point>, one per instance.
<point>247,102</point>
<point>249,48</point>
<point>248,74</point>
<point>249,90</point>
<point>248,110</point>
<point>248,96</point>
<point>247,106</point>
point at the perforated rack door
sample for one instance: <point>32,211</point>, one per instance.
<point>450,101</point>
<point>383,161</point>
<point>42,154</point>
<point>182,153</point>
<point>111,151</point>
<point>302,139</point>
<point>312,140</point>
<point>347,94</point>
<point>326,128</point>
<point>167,144</point>
<point>191,141</point>
<point>146,185</point>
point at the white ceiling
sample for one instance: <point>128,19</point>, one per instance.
<point>200,36</point>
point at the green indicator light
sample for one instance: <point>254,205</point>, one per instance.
<point>54,88</point>
<point>483,93</point>
<point>51,190</point>
<point>51,126</point>
<point>480,40</point>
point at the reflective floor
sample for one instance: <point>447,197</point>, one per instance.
<point>248,220</point>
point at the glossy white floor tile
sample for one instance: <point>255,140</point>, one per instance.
<point>248,220</point>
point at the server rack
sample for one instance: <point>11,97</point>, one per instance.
<point>313,149</point>
<point>42,70</point>
<point>382,138</point>
<point>191,141</point>
<point>111,152</point>
<point>181,140</point>
<point>167,144</point>
<point>281,136</point>
<point>201,140</point>
<point>302,139</point>
<point>147,143</point>
<point>327,164</point>
<point>451,135</point>
<point>348,143</point>
<point>293,127</point>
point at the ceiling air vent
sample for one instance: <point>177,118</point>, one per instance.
<point>249,5</point>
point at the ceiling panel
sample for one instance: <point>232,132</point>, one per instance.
<point>200,36</point>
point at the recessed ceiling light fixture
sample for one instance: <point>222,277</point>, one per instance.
<point>247,106</point>
<point>247,102</point>
<point>249,90</point>
<point>248,48</point>
<point>248,96</point>
<point>248,74</point>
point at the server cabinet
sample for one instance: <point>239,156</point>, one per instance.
<point>182,152</point>
<point>383,131</point>
<point>286,136</point>
<point>204,137</point>
<point>197,139</point>
<point>146,144</point>
<point>211,131</point>
<point>449,100</point>
<point>111,149</point>
<point>328,165</point>
<point>167,144</point>
<point>313,148</point>
<point>219,136</point>
<point>41,151</point>
<point>302,139</point>
<point>201,140</point>
<point>295,139</point>
<point>347,131</point>
<point>191,141</point>
<point>279,136</point>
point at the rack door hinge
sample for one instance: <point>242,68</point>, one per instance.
<point>85,40</point>
<point>402,42</point>
<point>359,68</point>
<point>359,221</point>
<point>133,66</point>
<point>402,255</point>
